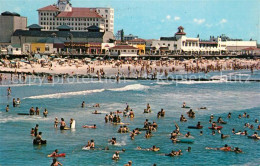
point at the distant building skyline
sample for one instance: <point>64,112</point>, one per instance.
<point>153,19</point>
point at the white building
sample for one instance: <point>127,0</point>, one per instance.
<point>123,51</point>
<point>180,44</point>
<point>14,50</point>
<point>52,16</point>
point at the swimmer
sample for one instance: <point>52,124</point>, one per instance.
<point>237,150</point>
<point>229,115</point>
<point>115,156</point>
<point>32,132</point>
<point>189,149</point>
<point>83,104</point>
<point>183,119</point>
<point>112,141</point>
<point>54,154</point>
<point>37,111</point>
<point>14,102</point>
<point>225,148</point>
<point>62,124</point>
<point>9,91</point>
<point>55,162</point>
<point>45,113</point>
<point>7,108</point>
<point>129,163</point>
<point>201,132</point>
<point>183,105</point>
<point>224,136</point>
<point>56,121</point>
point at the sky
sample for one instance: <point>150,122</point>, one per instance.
<point>152,19</point>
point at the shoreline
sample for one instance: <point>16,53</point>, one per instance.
<point>89,76</point>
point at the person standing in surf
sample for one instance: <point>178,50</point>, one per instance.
<point>9,91</point>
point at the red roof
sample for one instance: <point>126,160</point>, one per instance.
<point>124,47</point>
<point>49,8</point>
<point>80,12</point>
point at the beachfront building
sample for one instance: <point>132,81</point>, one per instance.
<point>123,51</point>
<point>105,47</point>
<point>35,34</point>
<point>138,43</point>
<point>79,19</point>
<point>14,49</point>
<point>9,23</point>
<point>180,44</point>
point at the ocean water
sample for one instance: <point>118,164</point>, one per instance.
<point>63,100</point>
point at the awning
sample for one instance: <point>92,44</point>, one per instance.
<point>128,55</point>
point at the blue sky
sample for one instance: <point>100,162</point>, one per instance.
<point>151,19</point>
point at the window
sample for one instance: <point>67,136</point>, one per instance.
<point>38,49</point>
<point>106,11</point>
<point>90,19</point>
<point>106,29</point>
<point>16,49</point>
<point>106,21</point>
<point>169,45</point>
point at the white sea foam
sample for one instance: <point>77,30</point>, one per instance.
<point>60,95</point>
<point>123,143</point>
<point>164,83</point>
<point>65,94</point>
<point>134,87</point>
<point>4,119</point>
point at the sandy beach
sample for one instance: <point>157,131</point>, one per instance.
<point>129,69</point>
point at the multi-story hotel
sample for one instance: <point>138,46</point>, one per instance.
<point>79,19</point>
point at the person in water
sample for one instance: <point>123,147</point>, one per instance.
<point>36,130</point>
<point>56,122</point>
<point>32,132</point>
<point>129,163</point>
<point>225,148</point>
<point>7,108</point>
<point>189,149</point>
<point>71,121</point>
<point>37,111</point>
<point>183,105</point>
<point>9,91</point>
<point>92,144</point>
<point>112,141</point>
<point>55,153</point>
<point>32,111</point>
<point>237,150</point>
<point>224,136</point>
<point>55,162</point>
<point>39,138</point>
<point>229,115</point>
<point>14,102</point>
<point>198,125</point>
<point>115,156</point>
<point>18,102</point>
<point>62,124</point>
<point>45,113</point>
<point>183,119</point>
<point>83,104</point>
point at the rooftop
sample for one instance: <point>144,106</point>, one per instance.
<point>80,12</point>
<point>64,34</point>
<point>49,8</point>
